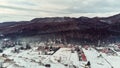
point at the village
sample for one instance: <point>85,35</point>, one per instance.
<point>57,55</point>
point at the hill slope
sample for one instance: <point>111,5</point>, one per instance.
<point>82,28</point>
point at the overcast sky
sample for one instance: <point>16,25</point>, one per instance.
<point>18,10</point>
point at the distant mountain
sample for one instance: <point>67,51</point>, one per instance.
<point>66,27</point>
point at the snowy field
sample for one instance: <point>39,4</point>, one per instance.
<point>63,58</point>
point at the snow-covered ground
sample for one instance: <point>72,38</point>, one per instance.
<point>96,62</point>
<point>33,59</point>
<point>63,58</point>
<point>105,61</point>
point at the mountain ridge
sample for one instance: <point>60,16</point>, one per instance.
<point>66,27</point>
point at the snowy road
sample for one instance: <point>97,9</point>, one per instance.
<point>91,55</point>
<point>113,60</point>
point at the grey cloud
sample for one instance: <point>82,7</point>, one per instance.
<point>97,6</point>
<point>71,7</point>
<point>32,9</point>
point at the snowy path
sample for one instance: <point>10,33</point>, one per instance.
<point>113,60</point>
<point>75,59</point>
<point>96,62</point>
